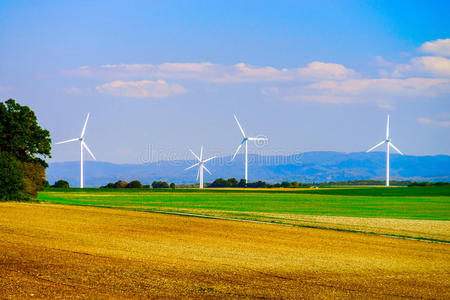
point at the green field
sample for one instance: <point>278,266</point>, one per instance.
<point>420,203</point>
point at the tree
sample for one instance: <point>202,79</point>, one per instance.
<point>21,135</point>
<point>160,185</point>
<point>242,183</point>
<point>232,182</point>
<point>285,184</point>
<point>120,184</point>
<point>135,184</point>
<point>61,184</point>
<point>219,182</point>
<point>24,146</point>
<point>34,178</point>
<point>46,184</point>
<point>172,186</point>
<point>11,178</point>
<point>257,184</point>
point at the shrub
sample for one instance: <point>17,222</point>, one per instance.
<point>61,184</point>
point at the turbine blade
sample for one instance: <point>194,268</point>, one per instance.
<point>395,148</point>
<point>84,127</point>
<point>387,128</point>
<point>194,165</point>
<point>89,150</point>
<point>240,127</point>
<point>377,145</point>
<point>198,158</point>
<point>206,169</point>
<point>201,152</point>
<point>68,141</point>
<point>237,150</point>
<point>198,173</point>
<point>209,159</point>
<point>257,139</point>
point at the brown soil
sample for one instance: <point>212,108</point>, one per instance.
<point>56,251</point>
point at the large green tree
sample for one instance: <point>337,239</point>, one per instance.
<point>24,145</point>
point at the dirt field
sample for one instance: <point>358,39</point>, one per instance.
<point>416,229</point>
<point>83,252</point>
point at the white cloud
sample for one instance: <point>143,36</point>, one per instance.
<point>433,123</point>
<point>365,90</point>
<point>401,87</point>
<point>434,66</point>
<point>440,47</point>
<point>209,72</point>
<point>141,89</point>
<point>322,70</point>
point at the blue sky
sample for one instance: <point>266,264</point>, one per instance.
<point>309,75</point>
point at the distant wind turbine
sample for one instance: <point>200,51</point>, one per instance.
<point>201,165</point>
<point>388,143</point>
<point>82,145</point>
<point>245,141</point>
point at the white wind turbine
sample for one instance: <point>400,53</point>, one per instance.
<point>201,165</point>
<point>82,145</point>
<point>388,143</point>
<point>245,141</point>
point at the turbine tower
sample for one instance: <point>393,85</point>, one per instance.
<point>82,145</point>
<point>245,141</point>
<point>388,143</point>
<point>201,165</point>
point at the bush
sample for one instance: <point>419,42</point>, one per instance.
<point>160,185</point>
<point>61,184</point>
<point>172,186</point>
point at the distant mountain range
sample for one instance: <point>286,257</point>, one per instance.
<point>305,167</point>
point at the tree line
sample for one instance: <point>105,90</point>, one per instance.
<point>136,184</point>
<point>233,183</point>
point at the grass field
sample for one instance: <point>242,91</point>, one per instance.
<point>419,212</point>
<point>67,251</point>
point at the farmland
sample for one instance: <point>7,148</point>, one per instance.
<point>62,251</point>
<point>420,212</point>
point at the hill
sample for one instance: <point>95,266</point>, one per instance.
<point>319,166</point>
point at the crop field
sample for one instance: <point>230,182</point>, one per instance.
<point>68,251</point>
<point>419,212</point>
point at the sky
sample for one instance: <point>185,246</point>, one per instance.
<point>160,77</point>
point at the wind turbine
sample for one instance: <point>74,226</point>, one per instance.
<point>82,145</point>
<point>201,165</point>
<point>245,141</point>
<point>388,143</point>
